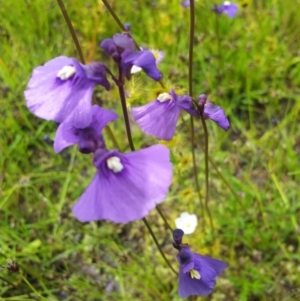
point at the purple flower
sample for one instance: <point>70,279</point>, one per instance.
<point>197,274</point>
<point>63,88</point>
<point>117,45</point>
<point>126,186</point>
<point>142,59</point>
<point>227,7</point>
<point>89,138</point>
<point>216,114</point>
<point>213,112</point>
<point>160,116</point>
<point>185,4</point>
<point>158,55</point>
<point>122,49</point>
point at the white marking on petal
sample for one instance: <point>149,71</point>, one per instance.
<point>114,163</point>
<point>66,72</point>
<point>226,3</point>
<point>195,274</point>
<point>164,97</point>
<point>135,69</point>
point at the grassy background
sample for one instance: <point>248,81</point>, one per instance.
<point>248,65</point>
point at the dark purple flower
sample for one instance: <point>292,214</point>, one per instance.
<point>197,273</point>
<point>126,186</point>
<point>63,88</point>
<point>185,4</point>
<point>117,45</point>
<point>143,59</point>
<point>89,138</point>
<point>160,116</point>
<point>227,7</point>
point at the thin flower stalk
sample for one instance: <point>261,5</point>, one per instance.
<point>122,96</point>
<point>129,137</point>
<point>190,78</point>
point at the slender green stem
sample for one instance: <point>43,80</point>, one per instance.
<point>191,45</point>
<point>122,96</point>
<point>124,109</point>
<point>130,141</point>
<point>216,169</point>
<point>157,245</point>
<point>112,136</point>
<point>113,14</point>
<point>195,169</point>
<point>163,217</point>
<point>190,78</point>
<point>207,174</point>
<point>71,29</point>
<point>218,53</point>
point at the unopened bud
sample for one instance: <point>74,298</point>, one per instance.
<point>202,100</point>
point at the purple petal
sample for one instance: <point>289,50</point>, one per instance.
<point>96,72</point>
<point>117,45</point>
<point>110,48</point>
<point>51,98</point>
<point>216,114</point>
<point>67,134</point>
<point>123,42</point>
<point>230,9</point>
<point>208,268</point>
<point>101,117</point>
<point>64,137</point>
<point>130,194</point>
<point>157,118</point>
<point>185,103</point>
<point>143,59</point>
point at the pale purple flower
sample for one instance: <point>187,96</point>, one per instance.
<point>227,7</point>
<point>117,45</point>
<point>89,139</point>
<point>197,273</point>
<point>160,116</point>
<point>63,88</point>
<point>126,187</point>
